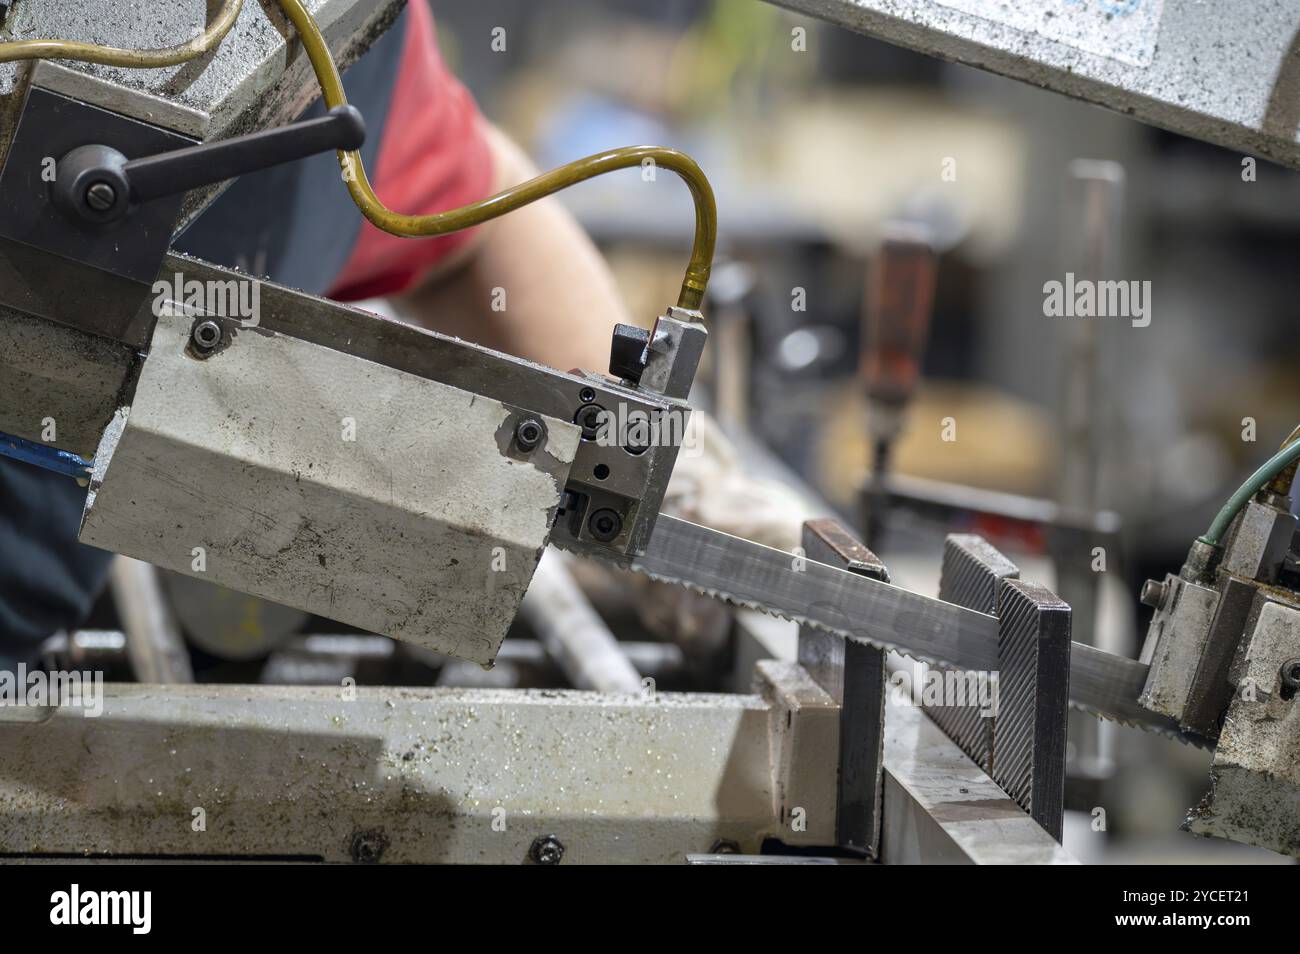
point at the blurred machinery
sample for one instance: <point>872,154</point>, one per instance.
<point>896,322</point>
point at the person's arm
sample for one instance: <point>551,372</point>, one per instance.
<point>560,300</point>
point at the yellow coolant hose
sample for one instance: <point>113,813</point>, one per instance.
<point>206,41</point>
<point>706,215</point>
<point>358,184</point>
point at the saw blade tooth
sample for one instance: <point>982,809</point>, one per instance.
<point>1185,738</point>
<point>789,618</point>
<point>1101,684</point>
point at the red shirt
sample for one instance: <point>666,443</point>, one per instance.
<point>433,156</point>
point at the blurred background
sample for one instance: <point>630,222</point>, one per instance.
<point>819,142</point>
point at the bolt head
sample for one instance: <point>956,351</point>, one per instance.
<point>529,433</point>
<point>1153,593</point>
<point>589,419</point>
<point>368,847</point>
<point>546,850</point>
<point>605,525</point>
<point>101,196</point>
<point>206,335</point>
<point>1291,674</point>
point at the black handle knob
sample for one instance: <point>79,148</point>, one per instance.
<point>98,184</point>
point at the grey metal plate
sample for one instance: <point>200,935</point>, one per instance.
<point>1021,740</point>
<point>972,572</point>
<point>1223,72</point>
<point>55,373</point>
<point>331,484</point>
<point>453,775</point>
<point>1029,758</point>
<point>392,775</point>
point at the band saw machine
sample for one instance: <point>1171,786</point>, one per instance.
<point>406,483</point>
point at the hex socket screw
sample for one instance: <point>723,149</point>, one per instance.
<point>589,418</point>
<point>605,525</point>
<point>529,433</point>
<point>1291,674</point>
<point>206,335</point>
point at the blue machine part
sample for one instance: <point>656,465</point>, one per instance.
<point>42,455</point>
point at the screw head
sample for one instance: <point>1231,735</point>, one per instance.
<point>368,847</point>
<point>586,395</point>
<point>1291,674</point>
<point>206,335</point>
<point>1153,593</point>
<point>101,196</point>
<point>529,433</point>
<point>589,419</point>
<point>605,524</point>
<point>546,850</point>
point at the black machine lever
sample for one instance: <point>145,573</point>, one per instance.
<point>98,184</point>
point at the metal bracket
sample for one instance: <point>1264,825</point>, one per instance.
<point>853,674</point>
<point>38,241</point>
<point>1022,746</point>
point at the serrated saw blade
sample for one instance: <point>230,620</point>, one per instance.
<point>856,607</point>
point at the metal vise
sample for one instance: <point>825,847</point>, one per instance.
<point>312,454</point>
